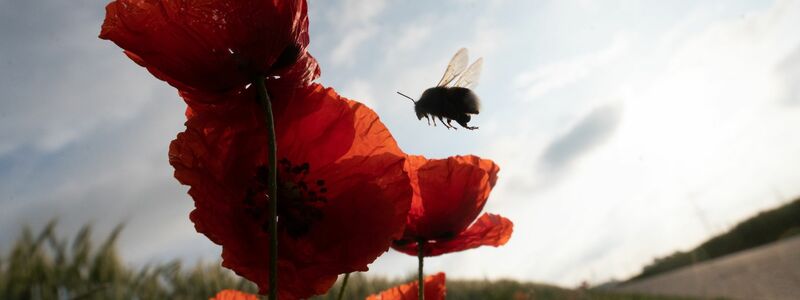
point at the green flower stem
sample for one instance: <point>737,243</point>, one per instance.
<point>344,284</point>
<point>420,257</point>
<point>272,185</point>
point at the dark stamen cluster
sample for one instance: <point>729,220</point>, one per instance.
<point>301,199</point>
<point>255,199</point>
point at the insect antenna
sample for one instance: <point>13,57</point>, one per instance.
<point>409,98</point>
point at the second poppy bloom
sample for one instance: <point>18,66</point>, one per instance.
<point>448,196</point>
<point>213,46</point>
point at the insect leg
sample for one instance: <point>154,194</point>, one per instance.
<point>464,124</point>
<point>429,120</point>
<point>451,125</point>
<point>434,121</point>
<point>442,121</point>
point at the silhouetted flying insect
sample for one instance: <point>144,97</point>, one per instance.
<point>452,102</point>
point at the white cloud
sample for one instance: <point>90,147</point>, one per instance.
<point>789,70</point>
<point>357,12</point>
<point>701,146</point>
<point>560,74</point>
<point>355,24</point>
<point>410,37</point>
<point>345,51</point>
<point>361,91</point>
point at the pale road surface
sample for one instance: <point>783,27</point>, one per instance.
<point>768,272</point>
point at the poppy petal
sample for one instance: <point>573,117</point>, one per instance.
<point>234,295</point>
<point>213,46</point>
<point>331,147</point>
<point>488,230</point>
<point>448,194</point>
<point>435,289</point>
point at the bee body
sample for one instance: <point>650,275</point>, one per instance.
<point>448,103</point>
<point>451,99</point>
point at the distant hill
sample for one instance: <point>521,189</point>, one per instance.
<point>763,228</point>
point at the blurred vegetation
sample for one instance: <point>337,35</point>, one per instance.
<point>360,286</point>
<point>44,266</point>
<point>766,227</point>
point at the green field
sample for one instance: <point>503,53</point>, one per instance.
<point>44,266</point>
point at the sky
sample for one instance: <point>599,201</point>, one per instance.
<point>624,130</point>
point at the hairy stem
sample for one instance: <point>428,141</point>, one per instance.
<point>344,284</point>
<point>421,257</point>
<point>272,185</point>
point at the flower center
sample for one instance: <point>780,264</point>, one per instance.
<point>300,199</point>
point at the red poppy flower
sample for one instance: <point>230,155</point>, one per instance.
<point>343,192</point>
<point>213,45</point>
<point>234,295</point>
<point>448,196</point>
<point>434,290</point>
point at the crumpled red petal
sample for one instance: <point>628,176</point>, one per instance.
<point>213,46</point>
<point>488,230</point>
<point>326,142</point>
<point>448,194</point>
<point>435,289</point>
<point>234,295</point>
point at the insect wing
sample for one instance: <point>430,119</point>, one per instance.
<point>469,79</point>
<point>456,66</point>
